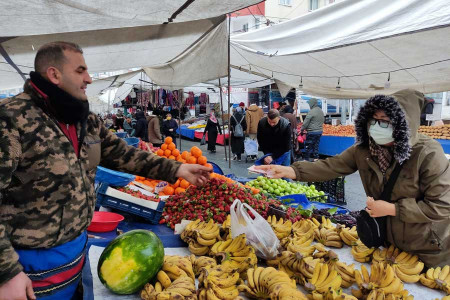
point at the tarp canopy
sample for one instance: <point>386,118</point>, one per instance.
<point>23,17</point>
<point>120,49</point>
<point>357,45</point>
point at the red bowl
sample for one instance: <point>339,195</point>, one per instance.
<point>104,221</point>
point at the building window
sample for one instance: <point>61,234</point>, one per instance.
<point>257,23</point>
<point>285,2</point>
<point>245,28</point>
<point>313,4</point>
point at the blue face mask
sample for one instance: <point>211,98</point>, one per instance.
<point>380,135</point>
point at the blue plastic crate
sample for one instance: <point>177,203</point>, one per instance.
<point>152,215</point>
<point>300,199</point>
<point>121,134</point>
<point>132,141</point>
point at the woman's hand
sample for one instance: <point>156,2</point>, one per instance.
<point>379,208</point>
<point>276,171</point>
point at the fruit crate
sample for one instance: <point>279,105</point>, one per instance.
<point>277,212</point>
<point>151,211</point>
<point>334,188</point>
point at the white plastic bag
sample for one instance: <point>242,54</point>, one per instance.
<point>258,231</point>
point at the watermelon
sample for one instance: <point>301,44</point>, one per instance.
<point>130,261</point>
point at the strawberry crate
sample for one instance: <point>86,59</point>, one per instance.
<point>151,211</point>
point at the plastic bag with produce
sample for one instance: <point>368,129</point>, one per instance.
<point>258,231</point>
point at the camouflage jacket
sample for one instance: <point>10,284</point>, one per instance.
<point>47,194</point>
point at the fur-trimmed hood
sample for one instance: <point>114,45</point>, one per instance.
<point>403,108</point>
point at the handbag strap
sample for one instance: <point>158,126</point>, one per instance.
<point>389,186</point>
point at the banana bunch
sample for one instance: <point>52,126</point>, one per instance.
<point>348,236</point>
<point>235,254</point>
<point>301,244</point>
<point>321,251</point>
<point>290,263</point>
<point>323,280</point>
<point>361,253</point>
<point>218,283</point>
<point>201,262</point>
<point>331,295</point>
<point>225,229</point>
<point>437,278</point>
<point>326,223</point>
<point>328,237</point>
<point>282,229</point>
<point>304,227</point>
<point>347,273</point>
<point>263,283</point>
<point>183,263</point>
<point>200,236</point>
<point>380,294</point>
<point>407,266</point>
<point>181,288</point>
<point>382,277</point>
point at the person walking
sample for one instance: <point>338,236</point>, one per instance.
<point>288,113</point>
<point>169,128</point>
<point>274,137</point>
<point>141,126</point>
<point>212,127</point>
<point>254,114</point>
<point>154,131</point>
<point>313,125</point>
<point>387,139</point>
<point>238,127</point>
<point>50,147</point>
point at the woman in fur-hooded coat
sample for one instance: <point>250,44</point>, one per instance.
<point>419,212</point>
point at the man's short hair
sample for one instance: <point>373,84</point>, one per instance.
<point>273,113</point>
<point>52,55</point>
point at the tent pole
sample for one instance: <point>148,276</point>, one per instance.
<point>223,123</point>
<point>229,92</point>
<point>180,102</point>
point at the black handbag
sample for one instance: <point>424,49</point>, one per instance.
<point>372,231</point>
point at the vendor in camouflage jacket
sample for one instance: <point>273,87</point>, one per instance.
<point>50,146</point>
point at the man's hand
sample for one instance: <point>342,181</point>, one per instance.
<point>268,160</point>
<point>276,171</point>
<point>195,174</point>
<point>17,288</point>
<point>379,208</point>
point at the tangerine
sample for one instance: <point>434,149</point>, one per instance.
<point>160,152</point>
<point>164,147</point>
<point>167,153</point>
<point>171,146</point>
<point>175,152</point>
<point>196,151</point>
<point>179,190</point>
<point>172,157</point>
<point>168,140</point>
<point>184,154</point>
<point>168,190</point>
<point>184,184</point>
<point>208,165</point>
<point>202,160</point>
<point>177,183</point>
<point>192,160</point>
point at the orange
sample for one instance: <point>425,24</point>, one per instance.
<point>196,151</point>
<point>167,153</point>
<point>164,147</point>
<point>184,154</point>
<point>183,161</point>
<point>172,157</point>
<point>208,165</point>
<point>168,190</point>
<point>175,152</point>
<point>168,140</point>
<point>192,160</point>
<point>202,160</point>
<point>179,190</point>
<point>171,146</point>
<point>147,182</point>
<point>179,158</point>
<point>184,183</point>
<point>176,184</point>
<point>160,152</point>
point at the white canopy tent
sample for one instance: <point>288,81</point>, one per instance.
<point>350,49</point>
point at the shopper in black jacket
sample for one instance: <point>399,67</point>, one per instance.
<point>141,126</point>
<point>212,127</point>
<point>274,135</point>
<point>237,143</point>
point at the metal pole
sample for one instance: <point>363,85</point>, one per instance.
<point>229,91</point>
<point>223,123</point>
<point>180,102</point>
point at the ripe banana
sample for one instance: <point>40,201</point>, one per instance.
<point>281,228</point>
<point>361,253</point>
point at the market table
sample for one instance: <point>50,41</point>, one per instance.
<point>334,145</point>
<point>220,137</point>
<point>186,132</point>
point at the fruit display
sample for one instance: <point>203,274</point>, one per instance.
<point>137,194</point>
<point>406,266</point>
<point>339,130</point>
<point>361,253</point>
<point>437,278</point>
<point>200,236</point>
<point>181,288</point>
<point>211,201</point>
<point>200,262</point>
<point>436,132</point>
<point>281,228</point>
<point>218,283</point>
<point>323,280</point>
<point>348,235</point>
<point>281,187</point>
<point>328,237</point>
<point>130,261</point>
